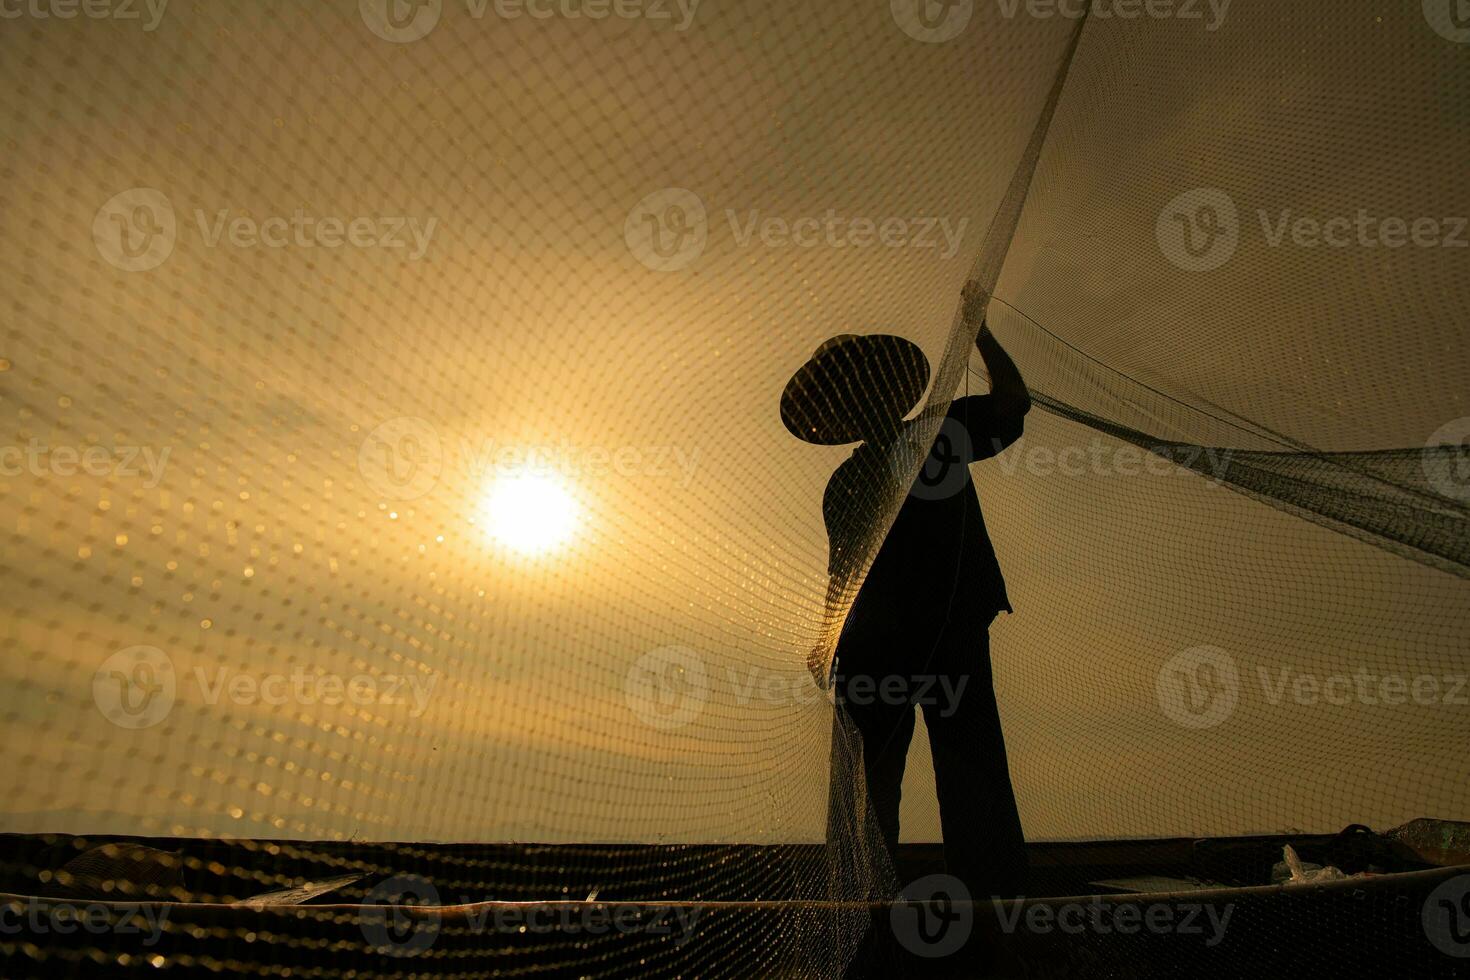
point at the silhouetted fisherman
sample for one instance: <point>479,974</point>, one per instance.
<point>917,633</point>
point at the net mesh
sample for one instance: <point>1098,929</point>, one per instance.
<point>393,449</point>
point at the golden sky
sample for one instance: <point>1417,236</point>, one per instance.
<point>430,249</point>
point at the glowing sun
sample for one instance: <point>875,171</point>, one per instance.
<point>531,513</point>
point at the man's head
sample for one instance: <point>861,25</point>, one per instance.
<point>855,388</point>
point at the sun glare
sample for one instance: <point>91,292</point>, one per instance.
<point>530,513</point>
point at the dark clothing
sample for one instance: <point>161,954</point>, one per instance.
<point>983,843</point>
<point>937,556</point>
<point>918,635</point>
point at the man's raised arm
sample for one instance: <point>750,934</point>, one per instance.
<point>1006,384</point>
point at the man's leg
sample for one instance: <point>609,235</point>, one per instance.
<point>983,843</point>
<point>883,731</point>
<point>870,742</point>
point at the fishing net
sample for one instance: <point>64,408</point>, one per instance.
<point>392,448</point>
